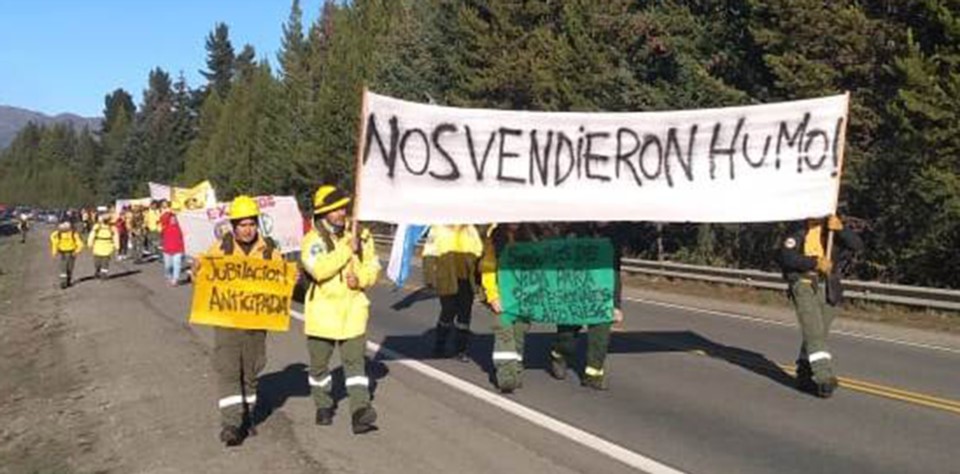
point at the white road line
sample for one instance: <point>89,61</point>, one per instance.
<point>615,451</point>
<point>753,319</point>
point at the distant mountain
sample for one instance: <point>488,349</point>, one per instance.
<point>12,119</point>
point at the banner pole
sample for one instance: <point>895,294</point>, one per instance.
<point>840,154</point>
<point>358,165</point>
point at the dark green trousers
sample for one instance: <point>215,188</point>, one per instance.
<point>101,266</point>
<point>598,342</point>
<point>138,243</point>
<point>815,317</point>
<point>238,357</point>
<point>67,262</point>
<point>508,344</point>
<point>456,312</point>
<point>354,369</point>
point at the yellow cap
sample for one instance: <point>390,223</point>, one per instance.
<point>329,198</point>
<point>244,207</point>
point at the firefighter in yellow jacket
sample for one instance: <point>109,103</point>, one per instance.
<point>458,249</point>
<point>339,267</point>
<point>240,354</point>
<point>103,242</point>
<point>66,244</point>
<point>508,342</point>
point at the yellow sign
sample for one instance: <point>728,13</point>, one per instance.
<point>197,197</point>
<point>243,293</point>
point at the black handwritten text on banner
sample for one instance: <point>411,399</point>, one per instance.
<point>430,164</point>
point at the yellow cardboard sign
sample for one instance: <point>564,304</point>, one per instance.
<point>192,198</point>
<point>243,293</point>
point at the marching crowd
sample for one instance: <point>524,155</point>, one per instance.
<point>338,261</point>
<point>137,232</point>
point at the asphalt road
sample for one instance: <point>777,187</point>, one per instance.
<point>696,390</point>
<point>705,392</point>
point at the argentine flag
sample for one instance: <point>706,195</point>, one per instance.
<point>404,244</point>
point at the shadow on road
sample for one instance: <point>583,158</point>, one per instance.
<point>538,345</point>
<point>122,274</point>
<point>420,294</point>
<point>275,388</point>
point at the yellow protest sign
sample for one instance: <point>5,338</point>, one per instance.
<point>200,196</point>
<point>243,293</point>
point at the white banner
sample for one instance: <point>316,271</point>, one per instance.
<point>280,220</point>
<point>443,165</point>
<point>201,196</point>
<point>122,203</point>
<point>160,192</point>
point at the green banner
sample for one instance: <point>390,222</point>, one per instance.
<point>560,281</point>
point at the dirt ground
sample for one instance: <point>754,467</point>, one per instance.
<point>103,377</point>
<point>43,426</point>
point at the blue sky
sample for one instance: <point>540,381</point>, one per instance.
<point>65,55</point>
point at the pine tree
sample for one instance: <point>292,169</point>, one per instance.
<point>117,174</point>
<point>89,161</point>
<point>220,60</point>
<point>916,183</point>
<point>184,128</point>
<point>113,103</point>
<point>246,62</point>
<point>198,161</point>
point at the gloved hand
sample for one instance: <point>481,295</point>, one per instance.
<point>352,281</point>
<point>834,223</point>
<point>824,265</point>
<point>348,241</point>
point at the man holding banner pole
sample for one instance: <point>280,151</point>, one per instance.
<point>340,264</point>
<point>806,257</point>
<point>239,354</point>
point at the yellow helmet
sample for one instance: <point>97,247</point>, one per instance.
<point>329,198</point>
<point>244,207</point>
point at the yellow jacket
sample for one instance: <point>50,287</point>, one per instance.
<point>457,247</point>
<point>261,249</point>
<point>103,240</point>
<point>65,241</point>
<point>489,262</point>
<point>488,268</point>
<point>333,310</point>
<point>152,218</point>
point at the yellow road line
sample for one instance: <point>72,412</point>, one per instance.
<point>893,393</point>
<point>952,408</point>
<point>901,392</point>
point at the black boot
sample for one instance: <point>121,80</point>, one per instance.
<point>440,343</point>
<point>232,435</point>
<point>596,382</point>
<point>463,344</point>
<point>826,389</point>
<point>324,416</point>
<point>363,420</point>
<point>804,381</point>
<point>558,366</point>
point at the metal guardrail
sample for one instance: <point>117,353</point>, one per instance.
<point>914,296</point>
